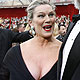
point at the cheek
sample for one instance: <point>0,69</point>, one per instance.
<point>38,24</point>
<point>38,27</point>
<point>53,20</point>
<point>53,23</point>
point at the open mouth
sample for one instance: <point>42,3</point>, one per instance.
<point>47,27</point>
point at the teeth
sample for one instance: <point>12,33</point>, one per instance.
<point>47,27</point>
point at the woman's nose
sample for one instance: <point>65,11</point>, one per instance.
<point>47,19</point>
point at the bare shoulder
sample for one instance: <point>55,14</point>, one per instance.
<point>57,42</point>
<point>28,42</point>
<point>25,46</point>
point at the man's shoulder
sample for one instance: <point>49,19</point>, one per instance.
<point>4,29</point>
<point>75,18</point>
<point>5,32</point>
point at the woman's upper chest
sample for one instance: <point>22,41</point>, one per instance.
<point>39,62</point>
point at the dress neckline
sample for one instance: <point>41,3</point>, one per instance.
<point>42,78</point>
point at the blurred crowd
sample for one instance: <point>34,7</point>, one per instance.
<point>11,23</point>
<point>62,20</point>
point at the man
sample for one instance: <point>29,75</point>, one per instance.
<point>21,27</point>
<point>62,32</point>
<point>68,67</point>
<point>7,37</point>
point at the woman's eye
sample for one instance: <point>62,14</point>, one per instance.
<point>41,16</point>
<point>51,14</point>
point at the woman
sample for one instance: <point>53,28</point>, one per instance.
<point>36,58</point>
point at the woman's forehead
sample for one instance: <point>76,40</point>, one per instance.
<point>43,8</point>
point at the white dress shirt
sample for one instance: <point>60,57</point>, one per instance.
<point>68,45</point>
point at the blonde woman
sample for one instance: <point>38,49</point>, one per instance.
<point>35,59</point>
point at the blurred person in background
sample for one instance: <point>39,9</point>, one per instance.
<point>7,37</point>
<point>62,31</point>
<point>21,27</point>
<point>35,59</point>
<point>69,57</point>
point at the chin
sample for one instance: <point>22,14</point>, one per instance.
<point>77,4</point>
<point>48,35</point>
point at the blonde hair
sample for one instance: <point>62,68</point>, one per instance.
<point>36,3</point>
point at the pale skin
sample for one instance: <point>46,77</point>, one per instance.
<point>41,52</point>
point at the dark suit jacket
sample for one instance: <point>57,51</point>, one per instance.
<point>60,38</point>
<point>7,37</point>
<point>72,68</point>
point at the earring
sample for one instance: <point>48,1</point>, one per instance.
<point>33,30</point>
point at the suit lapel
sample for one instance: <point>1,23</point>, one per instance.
<point>70,27</point>
<point>61,51</point>
<point>73,60</point>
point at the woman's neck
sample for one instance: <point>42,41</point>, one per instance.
<point>43,41</point>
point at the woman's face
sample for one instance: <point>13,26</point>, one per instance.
<point>43,20</point>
